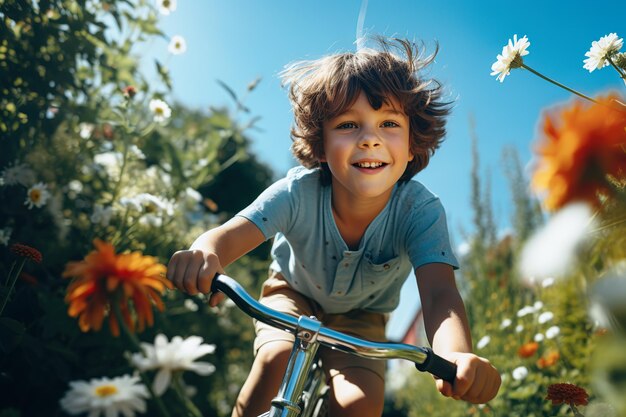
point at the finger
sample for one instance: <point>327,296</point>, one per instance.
<point>215,299</point>
<point>465,374</point>
<point>444,387</point>
<point>190,278</point>
<point>205,277</point>
<point>178,274</point>
<point>477,393</point>
<point>494,387</point>
<point>171,267</point>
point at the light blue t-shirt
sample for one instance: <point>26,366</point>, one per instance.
<point>312,256</point>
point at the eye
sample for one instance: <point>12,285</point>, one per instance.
<point>347,125</point>
<point>389,123</point>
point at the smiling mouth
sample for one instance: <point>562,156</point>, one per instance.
<point>369,165</point>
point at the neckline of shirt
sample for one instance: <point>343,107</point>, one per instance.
<point>328,211</point>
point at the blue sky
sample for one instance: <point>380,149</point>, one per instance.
<point>237,41</point>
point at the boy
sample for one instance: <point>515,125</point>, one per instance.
<point>349,226</point>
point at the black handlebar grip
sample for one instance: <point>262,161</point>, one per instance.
<point>214,284</point>
<point>438,366</point>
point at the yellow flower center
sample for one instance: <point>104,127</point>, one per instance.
<point>159,110</point>
<point>35,195</point>
<point>150,208</point>
<point>106,390</point>
<point>166,4</point>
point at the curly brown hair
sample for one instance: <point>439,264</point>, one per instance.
<point>324,88</point>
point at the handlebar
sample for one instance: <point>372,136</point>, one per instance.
<point>424,358</point>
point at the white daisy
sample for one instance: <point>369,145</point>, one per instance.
<point>551,251</point>
<point>538,337</point>
<point>152,208</point>
<point>547,282</point>
<point>5,235</point>
<point>151,204</point>
<point>505,323</point>
<point>168,357</point>
<point>602,49</point>
<point>519,328</point>
<point>75,186</point>
<point>192,195</point>
<point>538,305</point>
<point>607,296</point>
<point>131,203</point>
<point>85,130</point>
<point>111,162</point>
<point>510,58</point>
<point>484,341</point>
<point>101,215</point>
<point>519,373</point>
<point>526,310</point>
<point>134,149</point>
<point>190,305</point>
<point>552,332</point>
<point>157,175</point>
<point>545,317</point>
<point>18,174</point>
<point>110,397</point>
<point>37,195</point>
<point>166,6</point>
<point>177,45</point>
<point>161,110</point>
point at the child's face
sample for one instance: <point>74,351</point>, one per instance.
<point>367,150</point>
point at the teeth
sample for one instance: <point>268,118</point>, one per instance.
<point>369,164</point>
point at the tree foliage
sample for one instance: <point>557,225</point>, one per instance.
<point>70,125</point>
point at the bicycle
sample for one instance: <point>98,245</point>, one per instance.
<point>303,391</point>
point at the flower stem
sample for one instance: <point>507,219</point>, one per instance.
<point>11,280</point>
<point>134,341</point>
<point>557,83</point>
<point>192,410</point>
<point>618,69</point>
<point>118,183</point>
<point>575,410</point>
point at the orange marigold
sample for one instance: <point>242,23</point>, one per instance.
<point>105,277</point>
<point>567,393</point>
<point>528,349</point>
<point>548,359</point>
<point>580,147</point>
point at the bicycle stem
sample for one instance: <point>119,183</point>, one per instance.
<point>301,359</point>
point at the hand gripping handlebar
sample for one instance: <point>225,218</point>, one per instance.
<point>424,358</point>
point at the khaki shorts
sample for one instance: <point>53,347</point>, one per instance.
<point>278,295</point>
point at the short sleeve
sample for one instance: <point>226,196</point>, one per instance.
<point>427,236</point>
<point>274,209</point>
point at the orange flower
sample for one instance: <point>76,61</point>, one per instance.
<point>528,349</point>
<point>581,146</point>
<point>548,359</point>
<point>26,252</point>
<point>105,277</point>
<point>567,393</point>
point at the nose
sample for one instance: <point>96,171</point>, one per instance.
<point>369,139</point>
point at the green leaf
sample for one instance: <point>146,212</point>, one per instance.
<point>232,94</point>
<point>164,74</point>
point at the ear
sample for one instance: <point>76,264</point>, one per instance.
<point>322,156</point>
